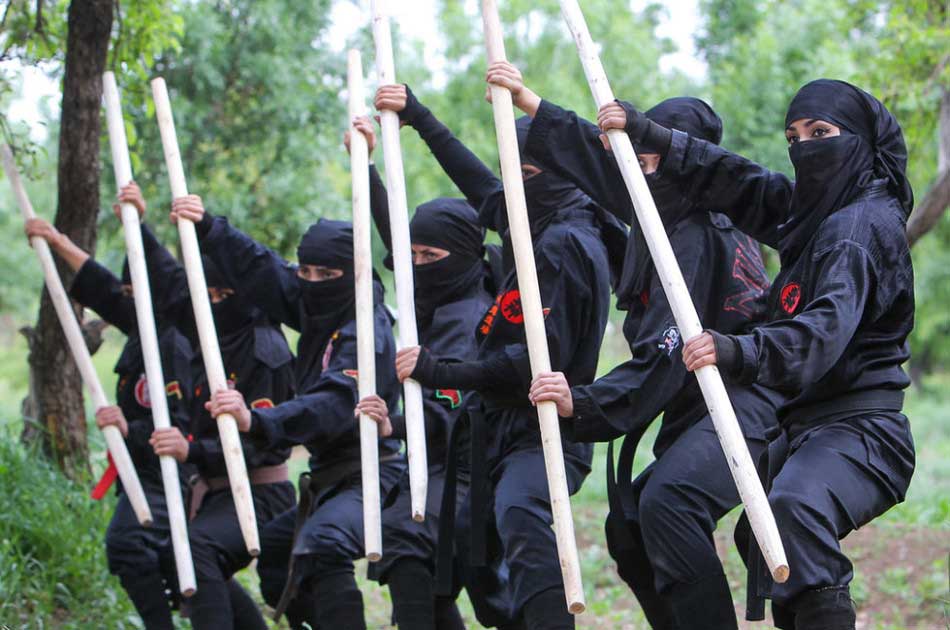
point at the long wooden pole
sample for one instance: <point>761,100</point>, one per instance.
<point>365,337</point>
<point>710,382</point>
<point>77,345</point>
<point>210,352</point>
<point>402,266</point>
<point>135,253</point>
<point>533,318</point>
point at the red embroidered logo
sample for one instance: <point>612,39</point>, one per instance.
<point>453,396</point>
<point>791,295</point>
<point>489,318</point>
<point>511,307</point>
<point>354,374</point>
<point>747,269</point>
<point>141,393</point>
<point>262,403</point>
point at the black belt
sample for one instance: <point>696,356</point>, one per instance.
<point>801,419</point>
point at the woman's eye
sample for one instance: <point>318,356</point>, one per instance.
<point>792,139</point>
<point>818,133</point>
<point>642,163</point>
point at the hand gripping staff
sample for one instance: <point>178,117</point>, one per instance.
<point>720,408</point>
<point>210,352</point>
<point>533,318</point>
<point>147,334</point>
<point>67,319</point>
<point>365,335</point>
<point>402,266</point>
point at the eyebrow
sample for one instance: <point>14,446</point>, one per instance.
<point>808,123</point>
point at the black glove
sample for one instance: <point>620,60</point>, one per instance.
<point>646,135</point>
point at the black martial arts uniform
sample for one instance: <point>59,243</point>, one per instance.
<point>574,274</point>
<point>451,295</point>
<point>258,363</point>
<point>660,527</point>
<point>321,417</point>
<point>839,315</point>
<point>140,557</point>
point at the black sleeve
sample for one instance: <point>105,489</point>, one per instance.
<point>98,288</point>
<point>169,281</point>
<point>470,175</point>
<point>634,393</point>
<point>379,205</point>
<point>497,371</point>
<point>256,272</point>
<point>791,354</point>
<point>324,413</point>
<point>570,146</point>
<point>755,198</point>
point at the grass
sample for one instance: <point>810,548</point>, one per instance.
<point>52,560</point>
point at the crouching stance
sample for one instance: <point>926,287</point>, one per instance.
<point>659,530</point>
<point>140,557</point>
<point>317,542</point>
<point>259,364</point>
<point>839,314</point>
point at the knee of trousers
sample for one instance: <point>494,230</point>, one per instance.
<point>128,554</point>
<point>530,550</point>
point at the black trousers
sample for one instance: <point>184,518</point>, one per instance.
<point>134,550</point>
<point>836,478</point>
<point>673,512</point>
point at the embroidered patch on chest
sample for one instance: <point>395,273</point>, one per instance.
<point>141,393</point>
<point>452,396</point>
<point>511,307</point>
<point>354,374</point>
<point>671,341</point>
<point>173,389</point>
<point>791,296</point>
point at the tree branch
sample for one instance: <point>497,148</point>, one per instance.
<point>928,213</point>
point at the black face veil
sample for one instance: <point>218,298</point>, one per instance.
<point>831,172</point>
<point>694,117</point>
<point>328,243</point>
<point>452,225</point>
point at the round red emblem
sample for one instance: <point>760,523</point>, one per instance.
<point>141,393</point>
<point>791,296</point>
<point>511,307</point>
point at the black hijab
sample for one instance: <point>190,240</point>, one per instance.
<point>452,225</point>
<point>691,116</point>
<point>327,305</point>
<point>831,172</point>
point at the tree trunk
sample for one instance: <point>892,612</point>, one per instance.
<point>935,203</point>
<point>58,386</point>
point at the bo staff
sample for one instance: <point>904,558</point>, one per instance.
<point>365,337</point>
<point>67,319</point>
<point>533,318</point>
<point>210,352</point>
<point>402,266</point>
<point>135,253</point>
<point>710,382</point>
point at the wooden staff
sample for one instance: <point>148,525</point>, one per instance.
<point>402,267</point>
<point>520,231</point>
<point>211,354</point>
<point>135,252</point>
<point>710,382</point>
<point>77,345</point>
<point>365,337</point>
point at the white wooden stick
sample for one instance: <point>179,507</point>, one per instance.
<point>365,336</point>
<point>135,252</point>
<point>717,399</point>
<point>210,352</point>
<point>77,345</point>
<point>402,266</point>
<point>533,318</point>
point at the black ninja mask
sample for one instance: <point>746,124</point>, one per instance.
<point>328,243</point>
<point>832,172</point>
<point>452,225</point>
<point>233,313</point>
<point>691,116</point>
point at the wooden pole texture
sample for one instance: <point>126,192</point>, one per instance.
<point>210,352</point>
<point>365,337</point>
<point>402,266</point>
<point>717,399</point>
<point>135,252</point>
<point>77,345</point>
<point>533,318</point>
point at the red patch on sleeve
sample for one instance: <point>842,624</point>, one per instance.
<point>511,307</point>
<point>791,296</point>
<point>452,396</point>
<point>173,389</point>
<point>262,403</point>
<point>354,374</point>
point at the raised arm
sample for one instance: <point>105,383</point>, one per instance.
<point>469,174</point>
<point>254,271</point>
